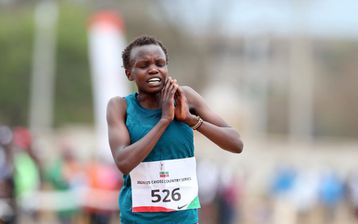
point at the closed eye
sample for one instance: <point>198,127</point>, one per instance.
<point>161,63</point>
<point>142,64</point>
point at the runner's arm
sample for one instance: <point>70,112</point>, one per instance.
<point>213,126</point>
<point>127,156</point>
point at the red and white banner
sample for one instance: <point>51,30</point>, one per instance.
<point>106,43</point>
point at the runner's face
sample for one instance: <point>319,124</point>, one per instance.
<point>148,68</point>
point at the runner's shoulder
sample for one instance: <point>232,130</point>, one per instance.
<point>118,104</point>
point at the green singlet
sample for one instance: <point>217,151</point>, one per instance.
<point>176,142</point>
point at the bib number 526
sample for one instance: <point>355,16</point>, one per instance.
<point>165,195</point>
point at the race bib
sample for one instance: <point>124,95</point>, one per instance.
<point>165,186</point>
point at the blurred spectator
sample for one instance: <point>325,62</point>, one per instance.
<point>27,170</point>
<point>23,140</point>
<point>104,182</point>
<point>7,194</point>
<point>281,188</point>
<point>304,195</point>
<point>208,180</point>
<point>352,188</point>
<point>228,197</point>
<point>331,193</point>
<point>65,174</point>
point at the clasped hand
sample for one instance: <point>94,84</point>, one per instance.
<point>174,102</point>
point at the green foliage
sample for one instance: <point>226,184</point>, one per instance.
<point>73,96</point>
<point>15,65</point>
<point>73,82</point>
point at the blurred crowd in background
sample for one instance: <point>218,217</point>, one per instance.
<point>69,190</point>
<point>283,73</point>
<point>72,190</point>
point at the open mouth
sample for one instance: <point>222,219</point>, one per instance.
<point>154,80</point>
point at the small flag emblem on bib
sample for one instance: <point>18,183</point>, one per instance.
<point>163,173</point>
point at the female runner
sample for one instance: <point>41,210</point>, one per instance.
<point>151,139</point>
